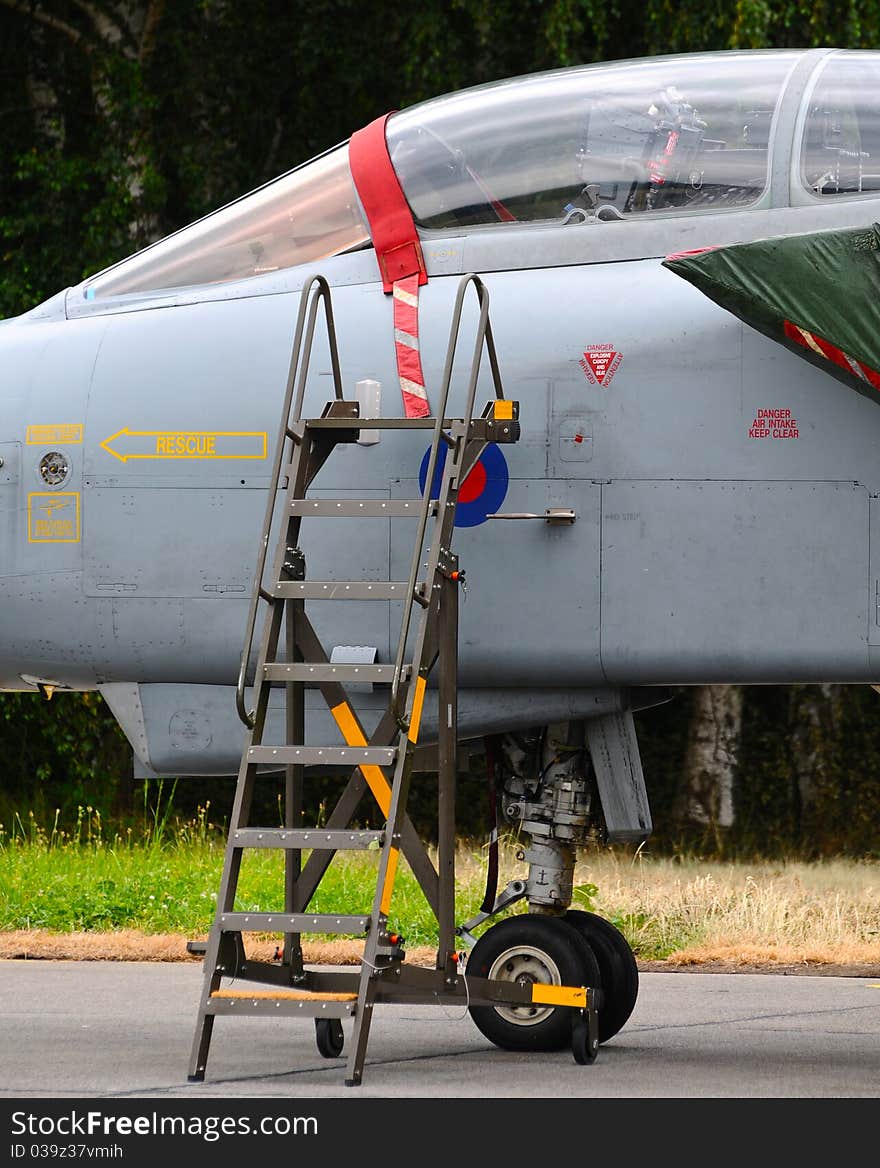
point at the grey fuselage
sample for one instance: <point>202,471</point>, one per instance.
<point>725,492</point>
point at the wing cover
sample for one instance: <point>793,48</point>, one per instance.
<point>817,294</point>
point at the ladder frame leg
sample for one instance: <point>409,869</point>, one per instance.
<point>213,965</point>
<point>374,966</point>
<point>447,766</point>
<point>295,720</point>
<point>239,817</point>
<point>429,647</point>
<point>354,1071</point>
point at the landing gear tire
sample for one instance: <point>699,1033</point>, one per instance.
<point>531,949</point>
<point>617,969</point>
<point>329,1036</point>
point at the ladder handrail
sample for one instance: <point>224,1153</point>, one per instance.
<point>290,413</point>
<point>483,337</point>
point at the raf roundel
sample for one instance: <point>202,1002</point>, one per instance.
<point>481,493</point>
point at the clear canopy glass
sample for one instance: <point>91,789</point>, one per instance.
<point>608,141</point>
<point>840,150</point>
<point>306,215</point>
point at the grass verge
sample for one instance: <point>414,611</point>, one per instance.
<point>143,894</point>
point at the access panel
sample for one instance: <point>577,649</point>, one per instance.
<point>746,582</point>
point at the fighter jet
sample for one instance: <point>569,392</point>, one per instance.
<point>688,501</point>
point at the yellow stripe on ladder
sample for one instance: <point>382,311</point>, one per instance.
<point>388,886</point>
<point>354,736</point>
<point>418,702</point>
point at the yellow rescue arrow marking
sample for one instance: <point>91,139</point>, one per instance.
<point>126,444</point>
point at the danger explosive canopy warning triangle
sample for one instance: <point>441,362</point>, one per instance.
<point>817,294</point>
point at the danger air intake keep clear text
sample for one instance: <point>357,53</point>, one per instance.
<point>773,423</point>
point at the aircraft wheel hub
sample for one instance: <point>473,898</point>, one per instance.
<point>526,965</point>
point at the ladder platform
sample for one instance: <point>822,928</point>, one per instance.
<point>350,756</point>
<point>374,423</point>
<point>357,508</point>
<point>320,671</point>
<point>318,839</point>
<point>343,589</point>
<point>481,429</point>
<point>283,922</point>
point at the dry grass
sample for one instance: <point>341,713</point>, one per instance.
<point>822,917</point>
<point>698,913</point>
<point>131,945</point>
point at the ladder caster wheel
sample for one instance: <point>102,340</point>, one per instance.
<point>584,1040</point>
<point>329,1036</point>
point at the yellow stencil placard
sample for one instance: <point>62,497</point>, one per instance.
<point>53,517</point>
<point>70,434</point>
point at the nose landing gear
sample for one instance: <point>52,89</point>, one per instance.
<point>549,794</point>
<point>533,950</point>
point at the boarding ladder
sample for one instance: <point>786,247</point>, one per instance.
<point>292,656</point>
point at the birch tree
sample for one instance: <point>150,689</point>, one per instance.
<point>706,793</point>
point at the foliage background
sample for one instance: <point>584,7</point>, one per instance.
<point>121,122</point>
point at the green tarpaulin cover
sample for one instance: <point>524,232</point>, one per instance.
<point>817,294</point>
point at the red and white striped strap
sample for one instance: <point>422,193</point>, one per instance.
<point>406,344</point>
<point>833,353</point>
<point>398,252</point>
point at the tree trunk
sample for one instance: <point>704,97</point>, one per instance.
<point>815,711</point>
<point>705,795</point>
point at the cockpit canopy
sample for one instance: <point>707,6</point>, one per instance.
<point>668,134</point>
<point>626,140</point>
<point>306,215</point>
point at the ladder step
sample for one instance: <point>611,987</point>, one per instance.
<point>281,922</point>
<point>261,1002</point>
<point>371,508</point>
<point>310,837</point>
<point>287,995</point>
<point>342,589</point>
<point>324,755</point>
<point>304,671</point>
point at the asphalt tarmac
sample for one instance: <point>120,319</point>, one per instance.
<point>124,1030</point>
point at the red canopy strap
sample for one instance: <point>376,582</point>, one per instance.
<point>398,252</point>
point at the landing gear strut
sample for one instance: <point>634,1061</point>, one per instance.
<point>550,793</point>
